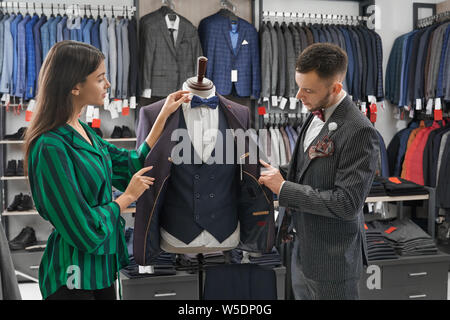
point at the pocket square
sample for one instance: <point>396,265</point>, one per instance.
<point>323,148</point>
<point>244,42</point>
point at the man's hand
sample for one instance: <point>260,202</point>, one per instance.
<point>271,178</point>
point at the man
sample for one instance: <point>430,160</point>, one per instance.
<point>327,180</point>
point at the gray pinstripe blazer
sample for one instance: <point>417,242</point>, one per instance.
<point>326,196</point>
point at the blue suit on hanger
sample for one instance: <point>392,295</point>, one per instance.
<point>214,33</point>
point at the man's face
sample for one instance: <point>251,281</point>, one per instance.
<point>314,92</point>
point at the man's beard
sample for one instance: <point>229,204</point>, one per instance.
<point>325,102</point>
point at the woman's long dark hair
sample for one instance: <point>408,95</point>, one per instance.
<point>67,64</point>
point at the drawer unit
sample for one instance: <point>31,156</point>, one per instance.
<point>408,278</point>
<point>27,263</point>
<point>182,286</point>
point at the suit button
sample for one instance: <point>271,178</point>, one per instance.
<point>212,195</point>
<point>197,176</point>
<point>212,177</point>
<point>197,217</point>
<point>197,195</point>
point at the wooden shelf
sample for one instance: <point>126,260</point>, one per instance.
<point>129,210</point>
<point>14,178</point>
<point>11,141</point>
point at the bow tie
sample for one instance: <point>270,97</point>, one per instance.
<point>319,114</point>
<point>198,101</point>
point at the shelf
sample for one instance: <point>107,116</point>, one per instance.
<point>20,213</point>
<point>14,178</point>
<point>106,139</point>
<point>34,212</point>
<point>398,198</point>
<point>120,140</point>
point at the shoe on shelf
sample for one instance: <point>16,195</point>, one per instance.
<point>16,136</point>
<point>20,171</point>
<point>117,132</point>
<point>11,169</point>
<point>17,200</point>
<point>26,203</point>
<point>26,238</point>
<point>126,132</point>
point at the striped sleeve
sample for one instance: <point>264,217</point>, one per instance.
<point>356,170</point>
<point>125,163</point>
<point>59,199</point>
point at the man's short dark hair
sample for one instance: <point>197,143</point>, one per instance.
<point>327,59</point>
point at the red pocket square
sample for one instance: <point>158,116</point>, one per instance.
<point>323,148</point>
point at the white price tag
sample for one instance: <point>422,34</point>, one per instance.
<point>397,113</point>
<point>234,76</point>
<point>4,97</point>
<point>372,99</point>
<point>147,93</point>
<point>283,103</point>
<point>411,113</point>
<point>31,105</point>
<point>89,113</point>
<point>125,103</point>
<point>274,101</point>
<point>132,102</point>
<point>106,101</point>
<point>418,104</point>
<point>430,106</point>
<point>96,113</point>
<point>146,269</point>
<point>363,108</point>
<point>437,104</point>
<point>118,104</point>
<point>113,111</point>
<point>304,109</point>
<point>266,99</point>
<point>292,103</point>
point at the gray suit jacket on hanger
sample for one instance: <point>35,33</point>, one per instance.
<point>164,66</point>
<point>326,196</point>
<point>9,288</point>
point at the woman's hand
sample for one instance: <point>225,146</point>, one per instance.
<point>174,100</point>
<point>138,184</point>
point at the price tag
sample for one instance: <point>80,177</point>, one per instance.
<point>125,107</point>
<point>89,113</point>
<point>437,115</point>
<point>133,102</point>
<point>234,76</point>
<point>363,108</point>
<point>118,105</point>
<point>283,103</point>
<point>390,230</point>
<point>411,113</point>
<point>274,101</point>
<point>437,104</point>
<point>28,115</point>
<point>106,101</point>
<point>304,109</point>
<point>293,103</point>
<point>96,123</point>
<point>418,104</point>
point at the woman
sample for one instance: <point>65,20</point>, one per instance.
<point>71,172</point>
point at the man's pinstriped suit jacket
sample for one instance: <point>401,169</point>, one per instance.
<point>326,196</point>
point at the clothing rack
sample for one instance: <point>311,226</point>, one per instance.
<point>313,17</point>
<point>437,18</point>
<point>73,9</point>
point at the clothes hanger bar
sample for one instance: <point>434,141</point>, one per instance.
<point>25,5</point>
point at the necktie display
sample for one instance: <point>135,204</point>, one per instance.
<point>171,30</point>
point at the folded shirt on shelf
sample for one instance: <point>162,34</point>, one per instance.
<point>395,186</point>
<point>404,236</point>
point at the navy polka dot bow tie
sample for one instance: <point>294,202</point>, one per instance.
<point>319,114</point>
<point>198,101</point>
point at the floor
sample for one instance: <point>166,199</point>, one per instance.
<point>30,291</point>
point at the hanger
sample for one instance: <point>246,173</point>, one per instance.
<point>90,12</point>
<point>228,10</point>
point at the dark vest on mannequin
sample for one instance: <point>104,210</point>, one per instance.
<point>201,196</point>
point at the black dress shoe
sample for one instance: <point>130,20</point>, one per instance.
<point>26,238</point>
<point>26,203</point>
<point>117,133</point>
<point>20,171</point>
<point>17,200</point>
<point>11,169</point>
<point>16,136</point>
<point>126,132</point>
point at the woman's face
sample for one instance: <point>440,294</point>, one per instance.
<point>93,90</point>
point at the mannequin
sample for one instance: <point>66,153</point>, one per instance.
<point>208,119</point>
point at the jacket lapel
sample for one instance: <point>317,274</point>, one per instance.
<point>293,167</point>
<point>226,34</point>
<point>241,37</point>
<point>181,29</point>
<point>338,117</point>
<point>166,34</point>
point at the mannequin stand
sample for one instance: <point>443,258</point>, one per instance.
<point>200,260</point>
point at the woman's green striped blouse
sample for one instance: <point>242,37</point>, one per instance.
<point>71,183</point>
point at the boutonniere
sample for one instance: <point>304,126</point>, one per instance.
<point>325,146</point>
